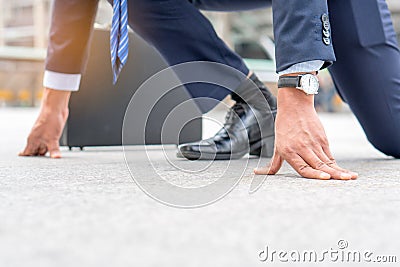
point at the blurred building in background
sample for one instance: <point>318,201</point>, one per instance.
<point>24,26</point>
<point>24,22</point>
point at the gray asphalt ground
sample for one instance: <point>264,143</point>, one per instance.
<point>85,209</point>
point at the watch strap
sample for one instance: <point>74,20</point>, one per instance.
<point>289,81</point>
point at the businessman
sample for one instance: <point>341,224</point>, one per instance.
<point>365,70</point>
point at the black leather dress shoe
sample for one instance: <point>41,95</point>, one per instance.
<point>248,127</point>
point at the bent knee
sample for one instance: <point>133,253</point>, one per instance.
<point>389,145</point>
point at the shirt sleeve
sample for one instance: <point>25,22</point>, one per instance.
<point>61,81</point>
<point>308,66</point>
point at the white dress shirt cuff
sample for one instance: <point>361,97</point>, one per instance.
<point>61,81</point>
<point>308,66</point>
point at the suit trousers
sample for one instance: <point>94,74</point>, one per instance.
<point>363,47</point>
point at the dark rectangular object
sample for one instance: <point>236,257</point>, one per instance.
<point>97,109</point>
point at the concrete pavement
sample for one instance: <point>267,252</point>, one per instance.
<point>85,209</point>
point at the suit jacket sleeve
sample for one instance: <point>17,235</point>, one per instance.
<point>298,31</point>
<point>70,32</point>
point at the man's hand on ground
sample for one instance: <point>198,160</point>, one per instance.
<point>46,132</point>
<point>301,140</point>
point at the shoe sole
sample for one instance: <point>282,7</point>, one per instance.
<point>263,148</point>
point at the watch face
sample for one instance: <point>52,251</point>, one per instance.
<point>309,83</point>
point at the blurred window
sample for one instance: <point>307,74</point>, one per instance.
<point>248,49</point>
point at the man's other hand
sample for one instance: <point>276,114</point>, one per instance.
<point>46,132</point>
<point>301,140</point>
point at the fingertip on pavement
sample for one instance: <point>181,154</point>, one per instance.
<point>55,155</point>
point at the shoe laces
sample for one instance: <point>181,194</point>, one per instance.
<point>233,113</point>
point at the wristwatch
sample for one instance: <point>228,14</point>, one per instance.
<point>308,83</point>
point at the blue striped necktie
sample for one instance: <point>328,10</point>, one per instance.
<point>119,39</point>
